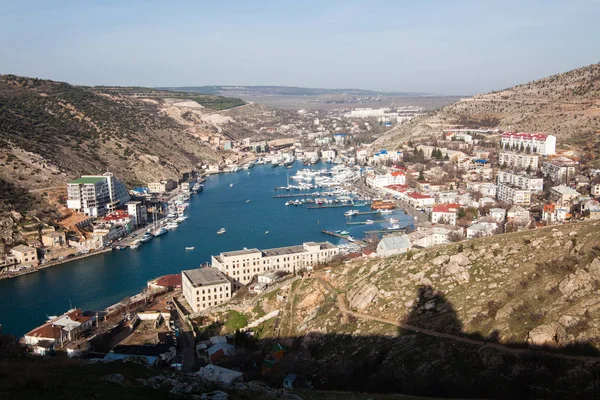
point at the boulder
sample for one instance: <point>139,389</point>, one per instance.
<point>568,321</point>
<point>359,298</point>
<point>439,260</point>
<point>459,259</point>
<point>576,285</point>
<point>594,269</point>
<point>548,334</point>
<point>117,379</point>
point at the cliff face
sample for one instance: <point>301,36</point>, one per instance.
<point>566,105</point>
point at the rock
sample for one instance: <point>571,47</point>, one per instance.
<point>409,304</point>
<point>117,379</point>
<point>568,321</point>
<point>216,395</point>
<point>495,246</point>
<point>576,285</point>
<point>549,334</point>
<point>573,233</point>
<point>459,259</point>
<point>360,297</point>
<point>594,269</point>
<point>430,305</point>
<point>439,260</point>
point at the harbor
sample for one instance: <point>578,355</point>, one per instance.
<point>96,282</point>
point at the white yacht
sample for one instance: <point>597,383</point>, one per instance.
<point>221,231</point>
<point>351,213</point>
<point>171,225</point>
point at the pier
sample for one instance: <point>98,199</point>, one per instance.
<point>367,212</point>
<point>404,230</point>
<point>343,237</point>
<point>331,206</point>
<point>284,196</point>
<point>365,222</point>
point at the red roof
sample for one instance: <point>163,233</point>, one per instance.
<point>173,280</point>
<point>446,208</point>
<point>397,188</point>
<point>397,173</point>
<point>549,208</point>
<point>416,195</point>
<point>527,136</point>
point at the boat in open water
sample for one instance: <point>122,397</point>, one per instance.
<point>221,231</point>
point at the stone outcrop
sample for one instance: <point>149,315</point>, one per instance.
<point>576,285</point>
<point>549,334</point>
<point>360,297</point>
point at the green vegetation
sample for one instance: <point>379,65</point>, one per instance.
<point>234,320</point>
<point>14,198</point>
<point>218,103</point>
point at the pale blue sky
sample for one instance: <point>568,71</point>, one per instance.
<point>451,47</point>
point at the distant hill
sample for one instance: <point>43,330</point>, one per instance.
<point>286,91</point>
<point>566,105</point>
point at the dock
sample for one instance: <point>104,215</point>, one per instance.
<point>331,206</point>
<point>343,237</point>
<point>365,222</point>
<point>284,196</point>
<point>367,212</point>
<point>388,230</point>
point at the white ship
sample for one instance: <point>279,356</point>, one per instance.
<point>221,231</point>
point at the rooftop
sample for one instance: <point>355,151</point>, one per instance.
<point>394,243</point>
<point>205,276</point>
<point>88,180</point>
<point>239,252</point>
<point>562,189</point>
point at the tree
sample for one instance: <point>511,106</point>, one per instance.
<point>421,177</point>
<point>522,148</point>
<point>528,170</point>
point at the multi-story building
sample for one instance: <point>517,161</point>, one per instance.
<point>162,186</point>
<point>419,200</point>
<point>536,143</point>
<point>513,195</point>
<point>205,287</point>
<point>559,169</point>
<point>391,178</point>
<point>523,181</point>
<point>519,160</point>
<point>25,255</point>
<point>595,190</point>
<point>138,212</point>
<point>444,214</point>
<point>54,239</point>
<point>563,195</point>
<point>242,265</point>
<point>328,155</point>
<point>96,195</point>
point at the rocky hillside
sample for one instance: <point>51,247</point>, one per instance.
<point>459,319</point>
<point>566,105</point>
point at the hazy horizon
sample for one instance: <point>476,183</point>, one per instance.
<point>449,48</point>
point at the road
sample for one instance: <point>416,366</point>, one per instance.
<point>186,345</point>
<point>342,305</point>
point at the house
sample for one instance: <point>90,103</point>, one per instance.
<point>431,236</point>
<point>391,245</point>
<point>172,281</point>
<point>480,229</point>
<point>268,277</point>
<point>595,190</point>
<point>563,195</point>
<point>219,351</point>
<point>390,178</point>
<point>553,213</point>
<point>498,214</point>
<point>214,373</point>
<point>25,255</point>
<point>419,200</point>
<point>54,239</point>
<point>444,214</point>
<point>62,329</point>
<point>162,186</point>
<point>518,213</point>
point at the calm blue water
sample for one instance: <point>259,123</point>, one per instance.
<point>102,280</point>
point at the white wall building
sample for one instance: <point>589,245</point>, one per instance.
<point>96,195</point>
<point>390,178</point>
<point>513,195</point>
<point>523,181</point>
<point>559,169</point>
<point>519,160</point>
<point>242,265</point>
<point>205,287</point>
<point>444,214</point>
<point>537,144</point>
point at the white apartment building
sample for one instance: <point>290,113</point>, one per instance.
<point>514,195</point>
<point>205,287</point>
<point>328,155</point>
<point>444,214</point>
<point>138,213</point>
<point>390,178</point>
<point>519,160</point>
<point>96,195</point>
<point>595,190</point>
<point>523,181</point>
<point>559,169</point>
<point>537,144</point>
<point>242,265</point>
<point>564,195</point>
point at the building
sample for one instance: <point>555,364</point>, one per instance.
<point>520,180</point>
<point>242,265</point>
<point>438,234</point>
<point>54,239</point>
<point>517,213</point>
<point>552,213</point>
<point>444,214</point>
<point>419,200</point>
<point>392,245</point>
<point>563,195</point>
<point>513,195</point>
<point>559,169</point>
<point>328,155</point>
<point>498,214</point>
<point>96,195</point>
<point>390,178</point>
<point>205,287</point>
<point>519,160</point>
<point>138,212</point>
<point>25,255</point>
<point>536,143</point>
<point>162,186</point>
<point>595,190</point>
<point>61,330</point>
<point>480,229</point>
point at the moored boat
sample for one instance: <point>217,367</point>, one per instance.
<point>221,231</point>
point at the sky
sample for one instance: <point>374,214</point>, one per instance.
<point>443,47</point>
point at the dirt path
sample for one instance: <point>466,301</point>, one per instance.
<point>341,303</point>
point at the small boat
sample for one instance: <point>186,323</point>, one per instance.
<point>369,222</point>
<point>146,238</point>
<point>221,231</point>
<point>190,248</point>
<point>344,233</point>
<point>351,213</point>
<point>394,220</point>
<point>231,185</point>
<point>171,225</point>
<point>159,231</point>
<point>248,201</point>
<point>248,173</point>
<point>135,244</point>
<point>119,247</point>
<point>385,211</point>
<point>267,232</point>
<point>287,203</point>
